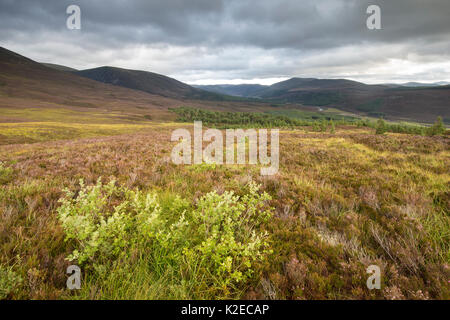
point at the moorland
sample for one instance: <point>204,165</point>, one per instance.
<point>86,178</point>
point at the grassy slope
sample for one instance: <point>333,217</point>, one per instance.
<point>343,202</point>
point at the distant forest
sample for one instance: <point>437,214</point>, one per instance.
<point>318,122</point>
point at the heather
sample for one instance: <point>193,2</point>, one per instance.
<point>142,227</point>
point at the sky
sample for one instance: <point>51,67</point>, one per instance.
<point>238,41</point>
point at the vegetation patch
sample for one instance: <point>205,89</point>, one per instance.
<point>9,281</point>
<point>6,174</point>
<point>341,201</point>
<point>296,119</point>
<point>31,132</point>
<point>372,106</point>
<point>209,248</point>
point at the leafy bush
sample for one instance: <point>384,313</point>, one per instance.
<point>226,236</point>
<point>9,280</point>
<point>213,245</point>
<point>102,232</point>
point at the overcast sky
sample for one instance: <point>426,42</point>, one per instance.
<point>237,41</point>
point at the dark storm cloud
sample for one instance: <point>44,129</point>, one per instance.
<point>230,32</point>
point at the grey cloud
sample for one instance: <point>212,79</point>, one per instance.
<point>208,33</point>
<point>263,23</point>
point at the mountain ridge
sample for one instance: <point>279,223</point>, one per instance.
<point>149,82</point>
<point>25,78</point>
<point>419,103</point>
<point>25,83</point>
<point>58,67</point>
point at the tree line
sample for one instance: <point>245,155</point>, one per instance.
<point>226,119</point>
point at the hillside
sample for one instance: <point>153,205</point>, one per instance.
<point>401,103</point>
<point>421,104</point>
<point>148,82</point>
<point>25,83</point>
<point>243,90</point>
<point>419,84</point>
<point>27,86</point>
<point>58,67</point>
<point>32,91</point>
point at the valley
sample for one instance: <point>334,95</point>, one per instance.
<point>87,178</point>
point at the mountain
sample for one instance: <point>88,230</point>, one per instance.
<point>25,83</point>
<point>390,101</point>
<point>149,82</point>
<point>58,67</point>
<point>421,84</point>
<point>316,91</point>
<point>402,103</point>
<point>37,88</point>
<point>242,90</point>
<point>293,90</point>
<point>417,84</point>
<point>308,91</point>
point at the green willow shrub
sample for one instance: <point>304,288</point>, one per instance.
<point>213,244</point>
<point>103,231</point>
<point>227,237</point>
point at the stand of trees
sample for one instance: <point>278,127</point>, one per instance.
<point>222,120</point>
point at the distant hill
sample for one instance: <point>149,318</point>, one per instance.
<point>296,89</point>
<point>24,82</point>
<point>417,103</point>
<point>316,91</point>
<point>148,82</point>
<point>243,90</point>
<point>420,84</point>
<point>59,67</point>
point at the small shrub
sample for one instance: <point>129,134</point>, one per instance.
<point>380,127</point>
<point>226,236</point>
<point>9,280</point>
<point>437,129</point>
<point>103,231</point>
<point>332,127</point>
<point>212,246</point>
